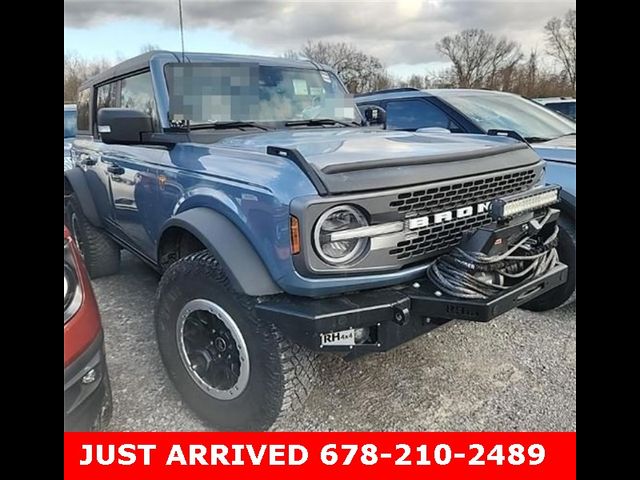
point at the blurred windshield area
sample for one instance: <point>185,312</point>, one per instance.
<point>216,92</point>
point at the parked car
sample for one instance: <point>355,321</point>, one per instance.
<point>70,116</point>
<point>551,135</point>
<point>283,227</point>
<point>87,391</point>
<point>564,105</point>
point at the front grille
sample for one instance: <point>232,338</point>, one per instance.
<point>443,198</point>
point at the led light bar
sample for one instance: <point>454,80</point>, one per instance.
<point>519,203</point>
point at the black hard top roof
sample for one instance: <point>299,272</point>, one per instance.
<point>142,61</point>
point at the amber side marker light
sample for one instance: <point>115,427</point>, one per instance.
<point>295,235</point>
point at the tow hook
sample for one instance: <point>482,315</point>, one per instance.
<point>401,315</point>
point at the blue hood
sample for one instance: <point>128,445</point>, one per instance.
<point>362,159</point>
<point>326,147</point>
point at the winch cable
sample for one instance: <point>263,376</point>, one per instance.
<point>457,272</point>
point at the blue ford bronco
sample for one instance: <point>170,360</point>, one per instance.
<point>286,223</point>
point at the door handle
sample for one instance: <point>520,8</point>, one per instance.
<point>115,169</point>
<point>86,159</point>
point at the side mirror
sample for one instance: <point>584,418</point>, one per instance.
<point>374,115</point>
<point>123,125</point>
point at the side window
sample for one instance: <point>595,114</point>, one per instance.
<point>84,98</point>
<point>106,96</point>
<point>137,93</point>
<point>414,114</point>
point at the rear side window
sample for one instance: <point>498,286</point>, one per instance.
<point>414,114</point>
<point>84,98</point>
<point>137,93</point>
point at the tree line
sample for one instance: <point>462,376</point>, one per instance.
<point>479,59</point>
<point>482,60</point>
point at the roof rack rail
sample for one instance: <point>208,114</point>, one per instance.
<point>389,90</point>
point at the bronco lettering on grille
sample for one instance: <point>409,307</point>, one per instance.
<point>442,217</point>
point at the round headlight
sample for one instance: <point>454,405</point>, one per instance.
<point>338,219</point>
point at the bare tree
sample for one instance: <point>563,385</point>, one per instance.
<point>417,81</point>
<point>381,82</point>
<point>531,72</point>
<point>291,54</point>
<point>76,70</point>
<point>561,43</point>
<point>359,71</point>
<point>533,79</point>
<point>479,58</point>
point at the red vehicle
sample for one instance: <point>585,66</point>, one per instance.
<point>87,392</point>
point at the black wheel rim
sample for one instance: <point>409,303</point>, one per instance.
<point>212,349</point>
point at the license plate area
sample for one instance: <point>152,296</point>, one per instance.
<point>343,338</point>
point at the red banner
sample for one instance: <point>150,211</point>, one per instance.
<point>336,456</point>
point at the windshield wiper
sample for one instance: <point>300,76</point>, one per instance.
<point>312,122</point>
<point>230,124</point>
<point>537,139</point>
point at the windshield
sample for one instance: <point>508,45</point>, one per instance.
<point>69,123</point>
<point>510,112</point>
<point>238,92</point>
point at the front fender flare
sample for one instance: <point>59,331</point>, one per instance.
<point>227,243</point>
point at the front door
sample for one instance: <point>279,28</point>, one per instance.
<point>130,170</point>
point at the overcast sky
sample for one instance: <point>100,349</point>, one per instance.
<point>402,33</point>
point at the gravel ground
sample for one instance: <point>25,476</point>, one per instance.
<point>517,372</point>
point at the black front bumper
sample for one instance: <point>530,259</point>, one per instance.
<point>87,406</point>
<point>393,315</point>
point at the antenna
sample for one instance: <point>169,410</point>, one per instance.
<point>181,28</point>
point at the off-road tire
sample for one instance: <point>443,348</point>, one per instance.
<point>564,294</point>
<point>101,254</point>
<point>281,373</point>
